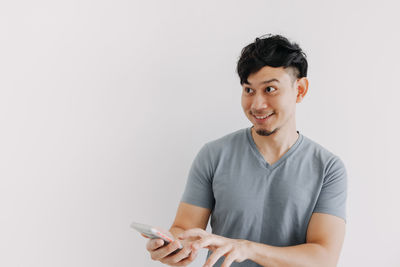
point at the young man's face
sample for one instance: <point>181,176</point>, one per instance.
<point>269,99</point>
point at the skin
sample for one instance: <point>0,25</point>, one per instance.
<point>275,92</point>
<point>187,217</point>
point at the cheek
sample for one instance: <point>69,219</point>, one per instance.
<point>284,104</point>
<point>287,107</point>
<point>245,104</point>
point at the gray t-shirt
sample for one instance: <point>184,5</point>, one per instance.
<point>271,204</point>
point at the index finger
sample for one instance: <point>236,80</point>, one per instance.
<point>154,244</point>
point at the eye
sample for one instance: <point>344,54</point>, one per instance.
<point>248,90</point>
<point>270,89</point>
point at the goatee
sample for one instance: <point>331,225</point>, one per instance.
<point>263,132</point>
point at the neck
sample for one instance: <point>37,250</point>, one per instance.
<point>276,144</point>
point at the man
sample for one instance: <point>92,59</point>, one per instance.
<point>275,197</point>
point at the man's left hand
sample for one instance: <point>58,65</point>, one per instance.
<point>234,250</point>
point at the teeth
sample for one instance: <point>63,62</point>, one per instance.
<point>263,117</point>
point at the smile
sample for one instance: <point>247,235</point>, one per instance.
<point>263,116</point>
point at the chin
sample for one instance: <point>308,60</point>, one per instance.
<point>265,132</point>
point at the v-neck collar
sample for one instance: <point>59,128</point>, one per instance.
<point>260,157</point>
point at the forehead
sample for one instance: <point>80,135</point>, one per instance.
<point>267,73</point>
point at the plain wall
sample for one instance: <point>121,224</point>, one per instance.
<point>104,104</point>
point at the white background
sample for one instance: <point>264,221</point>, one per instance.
<point>104,104</point>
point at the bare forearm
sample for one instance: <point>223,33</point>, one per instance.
<point>310,254</point>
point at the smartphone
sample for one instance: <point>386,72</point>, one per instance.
<point>151,232</point>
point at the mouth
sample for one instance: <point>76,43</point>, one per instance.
<point>263,117</point>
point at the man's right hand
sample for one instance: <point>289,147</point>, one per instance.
<point>187,217</point>
<point>166,255</point>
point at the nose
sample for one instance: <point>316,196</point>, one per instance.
<point>259,102</point>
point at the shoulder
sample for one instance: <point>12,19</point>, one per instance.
<point>317,151</point>
<point>218,151</point>
<point>228,142</point>
<point>321,156</point>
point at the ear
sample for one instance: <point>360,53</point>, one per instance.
<point>302,88</point>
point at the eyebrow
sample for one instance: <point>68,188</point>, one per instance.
<point>267,81</point>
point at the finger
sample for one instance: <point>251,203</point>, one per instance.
<point>210,240</point>
<point>229,259</point>
<point>154,244</point>
<point>192,255</point>
<point>195,232</point>
<point>179,256</point>
<point>187,261</point>
<point>165,251</point>
<point>214,257</point>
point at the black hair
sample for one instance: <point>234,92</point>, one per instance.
<point>274,51</point>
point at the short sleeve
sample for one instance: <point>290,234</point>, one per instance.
<point>333,195</point>
<point>198,190</point>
